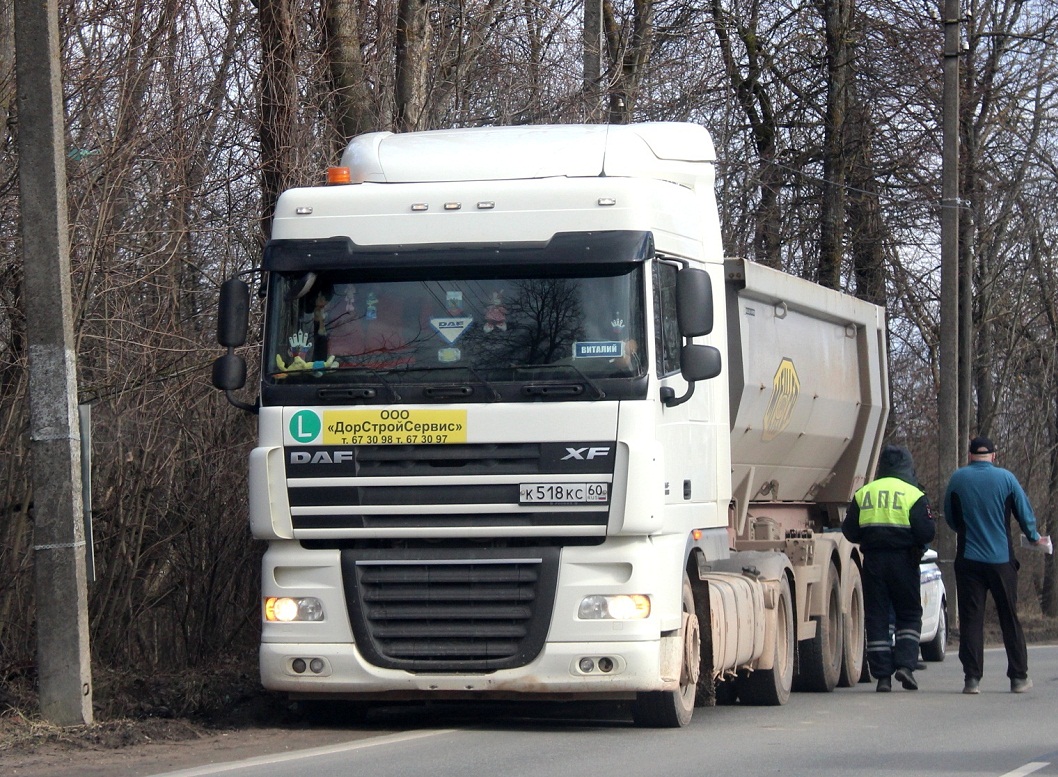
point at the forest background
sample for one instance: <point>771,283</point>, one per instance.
<point>185,118</point>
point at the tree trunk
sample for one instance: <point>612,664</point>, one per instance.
<point>868,237</point>
<point>7,70</point>
<point>837,15</point>
<point>354,109</point>
<point>756,105</point>
<point>413,46</point>
<point>279,103</point>
<point>628,60</point>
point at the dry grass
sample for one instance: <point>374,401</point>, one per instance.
<point>133,709</point>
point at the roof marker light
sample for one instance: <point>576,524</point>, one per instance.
<point>486,205</point>
<point>304,210</point>
<point>453,205</point>
<point>607,201</point>
<point>419,206</point>
<point>338,175</point>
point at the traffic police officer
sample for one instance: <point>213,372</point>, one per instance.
<point>890,518</point>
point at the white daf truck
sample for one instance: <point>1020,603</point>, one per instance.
<point>524,433</point>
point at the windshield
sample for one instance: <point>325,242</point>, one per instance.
<point>394,328</point>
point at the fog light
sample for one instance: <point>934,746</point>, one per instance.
<point>586,665</point>
<point>316,665</point>
<point>298,665</point>
<point>622,607</point>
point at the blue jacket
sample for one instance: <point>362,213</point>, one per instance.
<point>978,504</point>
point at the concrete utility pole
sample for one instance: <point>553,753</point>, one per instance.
<point>949,444</point>
<point>63,661</point>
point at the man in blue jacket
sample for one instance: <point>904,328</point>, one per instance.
<point>978,504</point>
<point>890,518</point>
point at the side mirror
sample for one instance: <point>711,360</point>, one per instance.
<point>694,302</point>
<point>229,372</point>
<point>699,362</point>
<point>233,313</point>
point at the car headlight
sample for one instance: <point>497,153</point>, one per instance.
<point>620,607</point>
<point>285,609</point>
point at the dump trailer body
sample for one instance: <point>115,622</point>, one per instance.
<point>809,387</point>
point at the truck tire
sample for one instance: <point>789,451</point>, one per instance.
<point>673,709</point>
<point>854,642</point>
<point>819,658</point>
<point>935,648</point>
<point>771,687</point>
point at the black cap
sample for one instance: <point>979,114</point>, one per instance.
<point>979,445</point>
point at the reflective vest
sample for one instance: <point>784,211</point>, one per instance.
<point>887,502</point>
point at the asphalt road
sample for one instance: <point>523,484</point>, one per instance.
<point>935,731</point>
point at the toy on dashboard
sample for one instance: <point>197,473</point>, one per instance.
<point>299,350</point>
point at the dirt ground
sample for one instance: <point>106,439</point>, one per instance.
<point>147,726</point>
<point>163,723</point>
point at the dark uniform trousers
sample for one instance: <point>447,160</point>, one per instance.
<point>892,576</point>
<point>974,580</point>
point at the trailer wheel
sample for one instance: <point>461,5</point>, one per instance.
<point>853,637</point>
<point>934,649</point>
<point>771,687</point>
<point>819,658</point>
<point>673,709</point>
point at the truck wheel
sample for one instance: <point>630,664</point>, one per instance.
<point>771,687</point>
<point>853,639</point>
<point>819,658</point>
<point>934,649</point>
<point>673,709</point>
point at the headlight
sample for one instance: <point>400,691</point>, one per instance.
<point>284,609</point>
<point>622,607</point>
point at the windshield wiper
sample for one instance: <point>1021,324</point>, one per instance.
<point>361,391</point>
<point>599,393</point>
<point>494,395</point>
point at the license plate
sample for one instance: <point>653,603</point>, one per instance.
<point>563,493</point>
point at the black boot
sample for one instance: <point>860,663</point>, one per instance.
<point>907,679</point>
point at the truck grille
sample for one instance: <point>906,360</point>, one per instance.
<point>441,486</point>
<point>436,612</point>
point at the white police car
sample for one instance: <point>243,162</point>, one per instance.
<point>934,637</point>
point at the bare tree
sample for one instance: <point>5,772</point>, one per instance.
<point>7,69</point>
<point>279,102</point>
<point>186,119</point>
<point>837,151</point>
<point>355,109</point>
<point>413,51</point>
<point>745,73</point>
<point>629,48</point>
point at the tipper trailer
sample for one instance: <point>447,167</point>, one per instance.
<point>523,431</point>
